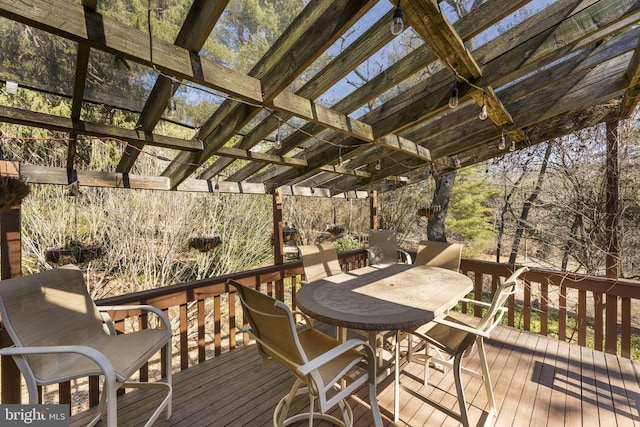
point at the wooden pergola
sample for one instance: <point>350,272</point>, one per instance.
<point>566,66</point>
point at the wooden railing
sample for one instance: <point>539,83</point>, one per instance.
<point>584,308</point>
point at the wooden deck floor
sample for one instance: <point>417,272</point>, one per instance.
<point>537,381</point>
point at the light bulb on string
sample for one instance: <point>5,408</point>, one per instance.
<point>512,147</point>
<point>483,110</point>
<point>172,108</point>
<point>397,24</point>
<point>278,143</point>
<point>453,99</point>
<point>378,165</point>
<point>503,142</point>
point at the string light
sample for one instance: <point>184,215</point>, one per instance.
<point>379,165</point>
<point>453,99</point>
<point>483,110</point>
<point>503,142</point>
<point>513,146</point>
<point>278,143</point>
<point>172,106</point>
<point>397,25</point>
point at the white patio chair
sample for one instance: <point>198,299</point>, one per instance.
<point>383,248</point>
<point>326,369</point>
<point>457,337</point>
<point>59,334</point>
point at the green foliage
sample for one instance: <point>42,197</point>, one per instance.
<point>347,243</point>
<point>470,216</point>
<point>247,29</point>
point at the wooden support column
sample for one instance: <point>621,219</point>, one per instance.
<point>612,249</point>
<point>373,210</point>
<point>10,264</point>
<point>278,240</point>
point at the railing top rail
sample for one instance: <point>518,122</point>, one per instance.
<point>216,285</point>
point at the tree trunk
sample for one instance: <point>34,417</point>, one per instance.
<point>571,242</point>
<point>522,221</point>
<point>441,196</point>
<point>507,208</point>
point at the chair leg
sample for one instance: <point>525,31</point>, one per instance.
<point>280,413</point>
<point>373,402</point>
<point>112,402</point>
<point>462,402</point>
<point>486,379</point>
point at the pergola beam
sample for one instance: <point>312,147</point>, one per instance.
<point>201,19</point>
<point>51,122</point>
<point>632,94</point>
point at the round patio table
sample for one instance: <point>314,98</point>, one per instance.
<point>383,297</point>
<point>392,297</point>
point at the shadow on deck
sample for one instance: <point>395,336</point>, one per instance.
<point>536,380</point>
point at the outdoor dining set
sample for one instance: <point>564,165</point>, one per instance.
<point>393,312</point>
<point>386,315</point>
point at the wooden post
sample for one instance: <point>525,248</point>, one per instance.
<point>278,240</point>
<point>612,250</point>
<point>373,210</point>
<point>10,265</point>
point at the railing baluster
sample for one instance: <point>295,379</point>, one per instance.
<point>625,338</point>
<point>202,354</point>
<point>598,323</point>
<point>611,329</point>
<point>526,307</point>
<point>184,338</point>
<point>544,309</point>
<point>581,319</point>
<point>477,293</point>
<point>143,320</point>
<point>562,314</point>
<point>217,324</point>
<point>232,321</point>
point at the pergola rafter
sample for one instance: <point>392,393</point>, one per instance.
<point>566,60</point>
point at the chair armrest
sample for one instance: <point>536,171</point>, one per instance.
<point>144,307</point>
<point>330,355</point>
<point>100,359</point>
<point>307,320</point>
<point>462,327</point>
<point>407,256</point>
<point>475,301</point>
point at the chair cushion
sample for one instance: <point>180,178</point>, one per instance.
<point>447,338</point>
<point>316,343</point>
<point>126,352</point>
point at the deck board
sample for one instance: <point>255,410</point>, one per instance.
<point>537,381</point>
